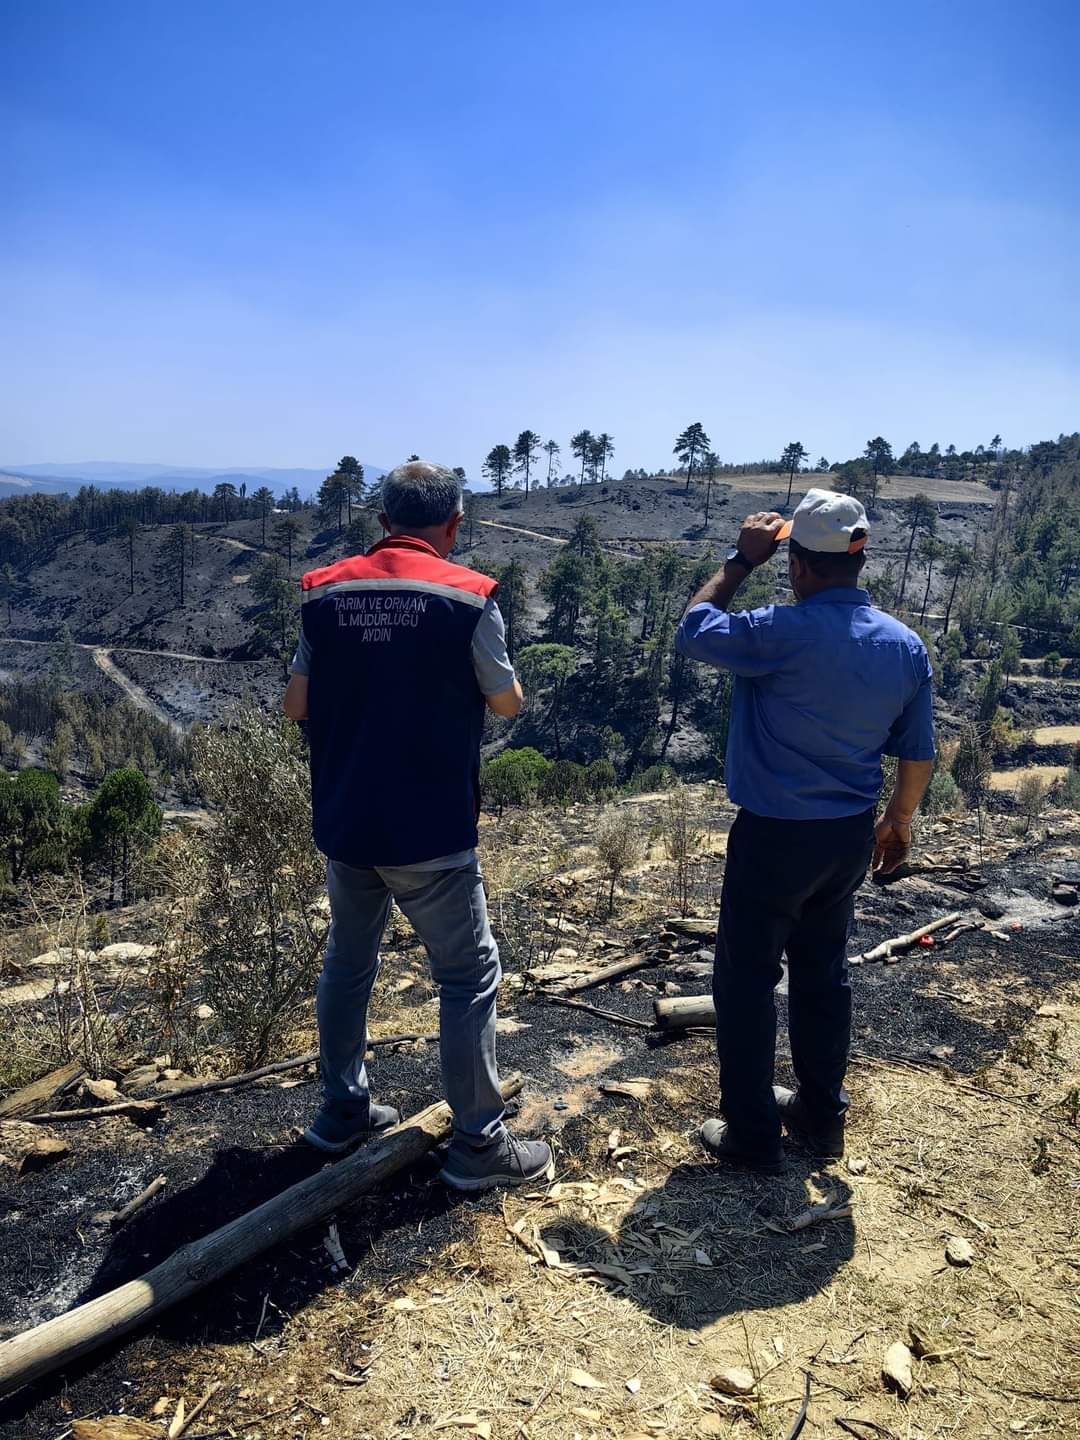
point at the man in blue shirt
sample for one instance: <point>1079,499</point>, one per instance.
<point>822,690</point>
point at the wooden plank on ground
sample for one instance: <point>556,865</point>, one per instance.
<point>33,1097</point>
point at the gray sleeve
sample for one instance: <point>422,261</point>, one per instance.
<point>301,662</point>
<point>494,670</point>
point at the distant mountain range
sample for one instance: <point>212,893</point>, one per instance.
<point>118,475</point>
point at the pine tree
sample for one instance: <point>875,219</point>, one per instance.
<point>224,491</point>
<point>176,546</point>
<point>605,449</point>
<point>581,445</point>
<point>879,452</point>
<point>552,450</point>
<point>958,562</point>
<point>497,466</point>
<point>130,528</point>
<point>264,499</point>
<point>921,514</point>
<point>689,445</point>
<point>794,455</point>
<point>545,669</point>
<point>285,535</point>
<point>513,600</point>
<point>710,463</point>
<point>525,448</point>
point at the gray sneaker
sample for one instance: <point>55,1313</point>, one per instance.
<point>507,1161</point>
<point>339,1125</point>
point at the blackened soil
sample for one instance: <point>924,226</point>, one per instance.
<point>225,1153</point>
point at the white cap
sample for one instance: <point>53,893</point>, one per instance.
<point>826,521</point>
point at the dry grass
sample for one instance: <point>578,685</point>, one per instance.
<point>1008,780</point>
<point>1056,735</point>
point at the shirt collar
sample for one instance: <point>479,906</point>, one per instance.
<point>404,542</point>
<point>839,595</point>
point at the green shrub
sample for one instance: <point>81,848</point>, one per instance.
<point>601,778</point>
<point>952,651</point>
<point>31,824</point>
<point>257,915</point>
<point>513,778</point>
<point>942,794</point>
<point>656,777</point>
<point>1069,797</point>
<point>1052,664</point>
<point>564,783</point>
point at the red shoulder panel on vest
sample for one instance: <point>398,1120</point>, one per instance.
<point>405,558</point>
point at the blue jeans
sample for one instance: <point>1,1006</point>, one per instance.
<point>448,911</point>
<point>789,887</point>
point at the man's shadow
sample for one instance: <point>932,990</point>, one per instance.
<point>714,1241</point>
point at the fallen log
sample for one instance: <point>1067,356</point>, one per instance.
<point>961,929</point>
<point>684,1010</point>
<point>614,971</point>
<point>32,1097</point>
<point>888,948</point>
<point>295,1062</point>
<point>612,1015</point>
<point>230,1082</point>
<point>145,1112</point>
<point>58,1342</point>
<point>687,1010</point>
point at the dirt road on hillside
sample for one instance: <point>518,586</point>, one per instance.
<point>134,650</point>
<point>559,539</point>
<point>135,693</point>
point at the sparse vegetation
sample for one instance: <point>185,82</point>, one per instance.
<point>259,916</point>
<point>1030,798</point>
<point>618,846</point>
<point>683,838</point>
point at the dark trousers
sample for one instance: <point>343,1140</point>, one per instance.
<point>789,885</point>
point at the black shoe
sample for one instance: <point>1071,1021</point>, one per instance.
<point>719,1142</point>
<point>338,1126</point>
<point>824,1140</point>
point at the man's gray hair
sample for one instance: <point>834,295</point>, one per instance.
<point>419,494</point>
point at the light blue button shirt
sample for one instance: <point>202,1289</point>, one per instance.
<point>822,690</point>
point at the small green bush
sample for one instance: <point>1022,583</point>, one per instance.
<point>565,783</point>
<point>942,794</point>
<point>655,777</point>
<point>601,778</point>
<point>1052,664</point>
<point>513,778</point>
<point>1069,797</point>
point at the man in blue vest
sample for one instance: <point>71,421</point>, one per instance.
<point>399,653</point>
<point>822,690</point>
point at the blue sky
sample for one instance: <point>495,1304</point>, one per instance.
<point>267,233</point>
